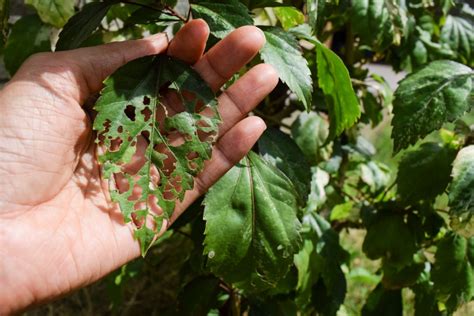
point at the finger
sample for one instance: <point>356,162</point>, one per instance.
<point>190,42</point>
<point>228,56</point>
<point>228,151</point>
<point>244,95</point>
<point>98,62</point>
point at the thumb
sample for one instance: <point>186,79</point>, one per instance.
<point>96,63</point>
<point>86,68</point>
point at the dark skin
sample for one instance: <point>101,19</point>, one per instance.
<point>58,229</point>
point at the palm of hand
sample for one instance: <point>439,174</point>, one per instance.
<point>58,229</point>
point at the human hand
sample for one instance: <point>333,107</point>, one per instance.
<point>58,229</point>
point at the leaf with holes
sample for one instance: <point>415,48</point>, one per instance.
<point>131,117</point>
<point>251,225</point>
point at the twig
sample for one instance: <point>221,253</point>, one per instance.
<point>184,234</point>
<point>176,14</point>
<point>388,190</point>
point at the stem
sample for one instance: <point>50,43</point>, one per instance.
<point>143,6</point>
<point>168,10</point>
<point>349,47</point>
<point>234,303</point>
<point>441,211</point>
<point>179,231</point>
<point>176,14</point>
<point>388,190</point>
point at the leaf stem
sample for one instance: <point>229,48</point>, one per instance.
<point>388,190</point>
<point>176,14</point>
<point>235,303</point>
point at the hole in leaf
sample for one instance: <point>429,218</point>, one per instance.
<point>192,165</point>
<point>146,112</point>
<point>176,139</point>
<point>146,135</point>
<point>192,155</point>
<point>130,112</point>
<point>115,144</point>
<point>146,100</point>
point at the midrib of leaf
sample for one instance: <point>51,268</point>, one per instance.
<point>252,196</point>
<point>53,3</point>
<point>274,207</point>
<point>156,103</point>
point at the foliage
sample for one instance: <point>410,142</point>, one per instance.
<point>266,237</point>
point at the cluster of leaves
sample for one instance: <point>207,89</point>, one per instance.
<point>267,236</point>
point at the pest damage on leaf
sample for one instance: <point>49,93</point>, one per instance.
<point>136,115</point>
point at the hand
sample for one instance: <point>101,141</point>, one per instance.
<point>58,229</point>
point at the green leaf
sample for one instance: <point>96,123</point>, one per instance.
<point>289,17</point>
<point>335,82</point>
<point>425,300</point>
<point>376,175</point>
<point>428,98</point>
<point>223,17</point>
<point>317,196</point>
<point>310,131</point>
<point>461,192</point>
<point>341,211</point>
<point>54,12</point>
<point>28,36</point>
<point>425,172</point>
<point>362,275</point>
<point>453,271</point>
<point>147,16</point>
<point>199,296</point>
<point>282,52</point>
<point>126,113</point>
<point>274,307</point>
<point>321,282</point>
<point>82,24</point>
<point>4,15</point>
<point>281,151</point>
<point>379,22</point>
<point>458,34</point>
<point>251,225</point>
<point>383,302</point>
<point>389,237</point>
<point>313,8</point>
<point>373,109</point>
<point>397,278</point>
